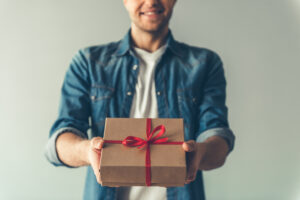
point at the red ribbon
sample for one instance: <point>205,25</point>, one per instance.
<point>132,141</point>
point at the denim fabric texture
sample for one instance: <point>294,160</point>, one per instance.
<point>100,83</point>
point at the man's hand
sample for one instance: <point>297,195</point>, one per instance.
<point>76,151</point>
<point>208,155</point>
<point>94,155</point>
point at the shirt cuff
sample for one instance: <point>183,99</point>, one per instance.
<point>225,133</point>
<point>51,151</point>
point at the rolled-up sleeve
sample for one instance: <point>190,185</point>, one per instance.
<point>50,150</point>
<point>213,111</point>
<point>74,109</point>
<point>225,133</point>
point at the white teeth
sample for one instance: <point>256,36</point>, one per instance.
<point>151,13</point>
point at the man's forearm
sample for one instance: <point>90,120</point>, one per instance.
<point>72,149</point>
<point>215,154</point>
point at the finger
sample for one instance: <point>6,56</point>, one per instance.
<point>191,172</point>
<point>97,170</point>
<point>97,143</point>
<point>192,167</point>
<point>97,173</point>
<point>189,146</point>
<point>98,177</point>
<point>191,177</point>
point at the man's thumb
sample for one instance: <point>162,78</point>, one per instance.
<point>189,146</point>
<point>97,143</point>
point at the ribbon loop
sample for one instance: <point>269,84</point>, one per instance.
<point>132,141</point>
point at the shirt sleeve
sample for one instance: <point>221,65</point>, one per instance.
<point>212,116</point>
<point>225,133</point>
<point>51,151</point>
<point>74,109</point>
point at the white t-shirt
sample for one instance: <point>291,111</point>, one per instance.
<point>145,105</point>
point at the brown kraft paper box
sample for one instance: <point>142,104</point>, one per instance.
<point>125,166</point>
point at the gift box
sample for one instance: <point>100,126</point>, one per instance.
<point>143,152</point>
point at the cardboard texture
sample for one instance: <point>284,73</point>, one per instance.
<point>125,166</point>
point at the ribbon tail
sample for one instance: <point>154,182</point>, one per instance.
<point>161,141</point>
<point>148,166</point>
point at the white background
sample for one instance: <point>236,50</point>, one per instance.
<point>258,40</point>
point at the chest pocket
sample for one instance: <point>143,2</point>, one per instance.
<point>100,102</point>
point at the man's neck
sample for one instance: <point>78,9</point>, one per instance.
<point>148,41</point>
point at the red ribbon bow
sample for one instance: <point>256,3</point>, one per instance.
<point>132,141</point>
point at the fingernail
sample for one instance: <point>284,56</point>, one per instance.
<point>99,144</point>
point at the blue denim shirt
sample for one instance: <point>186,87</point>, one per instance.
<point>100,83</point>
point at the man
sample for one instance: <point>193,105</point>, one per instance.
<point>146,74</point>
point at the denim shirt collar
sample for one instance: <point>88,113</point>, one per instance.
<point>125,45</point>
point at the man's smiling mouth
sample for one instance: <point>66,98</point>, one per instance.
<point>152,12</point>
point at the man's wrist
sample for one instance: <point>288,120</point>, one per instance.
<point>84,148</point>
<point>217,142</point>
<point>212,152</point>
<point>72,149</point>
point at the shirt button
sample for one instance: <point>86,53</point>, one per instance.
<point>134,67</point>
<point>158,93</point>
<point>129,93</point>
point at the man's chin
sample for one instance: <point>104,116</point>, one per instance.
<point>154,29</point>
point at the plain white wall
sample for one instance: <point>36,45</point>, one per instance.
<point>258,41</point>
